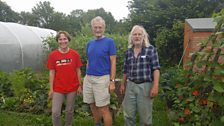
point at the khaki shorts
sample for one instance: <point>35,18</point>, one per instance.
<point>96,89</point>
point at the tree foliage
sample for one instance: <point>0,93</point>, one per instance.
<point>159,15</point>
<point>169,43</point>
<point>7,14</point>
<point>163,20</point>
<point>28,18</point>
<point>43,13</point>
<point>195,95</point>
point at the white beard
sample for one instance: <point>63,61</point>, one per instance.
<point>138,44</point>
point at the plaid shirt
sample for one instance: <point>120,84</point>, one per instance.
<point>141,68</point>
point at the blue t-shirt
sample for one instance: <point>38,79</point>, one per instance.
<point>98,53</point>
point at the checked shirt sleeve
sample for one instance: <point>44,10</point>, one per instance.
<point>155,59</point>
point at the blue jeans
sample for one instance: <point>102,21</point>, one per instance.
<point>137,99</point>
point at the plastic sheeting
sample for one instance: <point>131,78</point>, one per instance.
<point>21,46</point>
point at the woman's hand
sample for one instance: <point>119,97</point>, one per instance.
<point>50,94</point>
<point>79,91</point>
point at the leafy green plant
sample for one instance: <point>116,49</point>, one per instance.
<point>10,103</point>
<point>5,85</point>
<point>197,93</point>
<point>17,79</point>
<point>28,89</point>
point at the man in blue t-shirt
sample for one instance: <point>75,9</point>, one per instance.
<point>100,73</point>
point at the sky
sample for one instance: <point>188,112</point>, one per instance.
<point>118,8</point>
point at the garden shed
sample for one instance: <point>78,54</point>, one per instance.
<point>21,46</point>
<point>196,30</point>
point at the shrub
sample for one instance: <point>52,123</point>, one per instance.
<point>196,95</point>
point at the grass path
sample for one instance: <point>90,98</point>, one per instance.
<point>8,118</point>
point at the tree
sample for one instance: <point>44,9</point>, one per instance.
<point>43,13</point>
<point>48,18</point>
<point>28,18</point>
<point>7,14</point>
<point>74,21</point>
<point>158,15</point>
<point>77,13</point>
<point>44,16</point>
<point>169,44</point>
<point>107,16</point>
<point>59,21</point>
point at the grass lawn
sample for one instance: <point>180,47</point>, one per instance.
<point>8,118</point>
<point>160,114</point>
<point>22,119</point>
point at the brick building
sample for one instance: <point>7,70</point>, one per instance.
<point>196,30</point>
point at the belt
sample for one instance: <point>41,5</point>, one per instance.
<point>139,81</point>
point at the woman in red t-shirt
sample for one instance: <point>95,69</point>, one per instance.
<point>65,78</point>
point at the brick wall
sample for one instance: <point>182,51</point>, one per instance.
<point>191,42</point>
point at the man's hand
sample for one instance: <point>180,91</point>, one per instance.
<point>154,91</point>
<point>122,88</point>
<point>111,86</point>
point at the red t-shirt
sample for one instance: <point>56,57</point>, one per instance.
<point>64,64</point>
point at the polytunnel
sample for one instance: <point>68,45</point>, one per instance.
<point>21,46</point>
